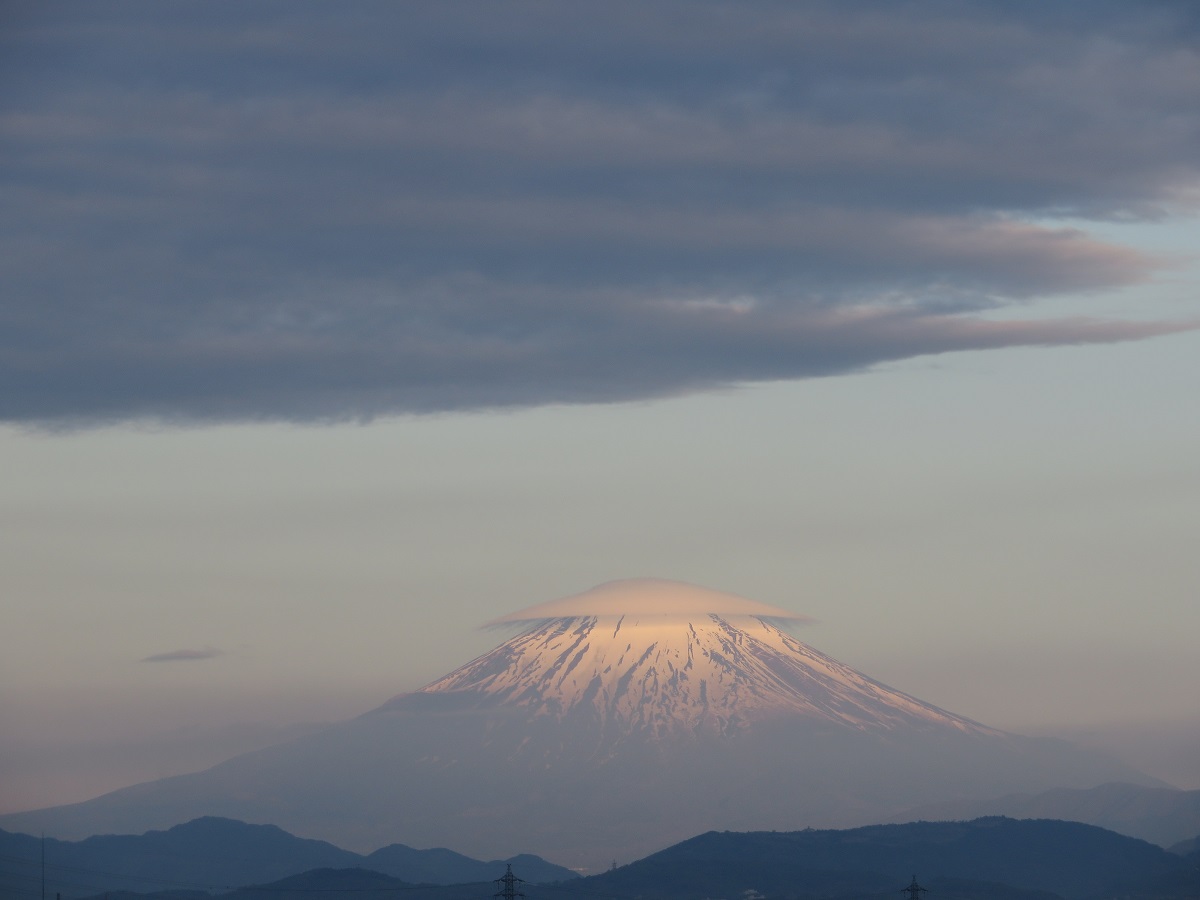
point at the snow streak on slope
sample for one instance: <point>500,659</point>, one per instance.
<point>704,673</point>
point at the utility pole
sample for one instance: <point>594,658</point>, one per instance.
<point>914,890</point>
<point>508,886</point>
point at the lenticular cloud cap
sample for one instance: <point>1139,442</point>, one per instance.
<point>648,597</point>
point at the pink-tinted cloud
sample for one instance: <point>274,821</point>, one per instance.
<point>652,597</point>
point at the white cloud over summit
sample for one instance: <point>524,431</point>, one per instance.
<point>650,597</point>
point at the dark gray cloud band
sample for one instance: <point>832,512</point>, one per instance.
<point>298,211</point>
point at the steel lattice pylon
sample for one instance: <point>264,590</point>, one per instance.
<point>508,886</point>
<point>914,890</point>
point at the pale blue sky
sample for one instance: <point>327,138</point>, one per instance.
<point>740,318</point>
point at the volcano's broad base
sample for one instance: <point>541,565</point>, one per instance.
<point>588,737</point>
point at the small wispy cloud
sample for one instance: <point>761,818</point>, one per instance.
<point>183,655</point>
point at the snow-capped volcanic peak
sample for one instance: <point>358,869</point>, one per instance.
<point>620,721</point>
<point>658,657</point>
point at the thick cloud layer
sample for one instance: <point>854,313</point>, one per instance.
<point>301,210</point>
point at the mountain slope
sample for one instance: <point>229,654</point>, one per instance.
<point>658,674</point>
<point>204,852</point>
<point>987,859</point>
<point>1066,858</point>
<point>618,721</point>
<point>1164,816</point>
<point>214,852</point>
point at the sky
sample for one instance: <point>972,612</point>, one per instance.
<point>331,332</point>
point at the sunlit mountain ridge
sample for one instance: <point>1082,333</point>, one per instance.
<point>671,673</point>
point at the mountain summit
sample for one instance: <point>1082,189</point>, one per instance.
<point>613,723</point>
<point>657,657</point>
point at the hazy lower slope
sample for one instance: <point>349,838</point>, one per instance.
<point>590,737</point>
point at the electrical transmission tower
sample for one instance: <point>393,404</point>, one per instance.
<point>914,890</point>
<point>508,886</point>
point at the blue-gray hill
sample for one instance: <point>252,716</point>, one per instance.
<point>213,853</point>
<point>1068,859</point>
<point>986,859</point>
<point>1161,815</point>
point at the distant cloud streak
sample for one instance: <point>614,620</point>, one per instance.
<point>182,656</point>
<point>316,212</point>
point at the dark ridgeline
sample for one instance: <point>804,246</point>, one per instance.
<point>993,857</point>
<point>1163,816</point>
<point>988,859</point>
<point>226,854</point>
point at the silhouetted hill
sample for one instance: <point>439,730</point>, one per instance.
<point>1186,848</point>
<point>986,859</point>
<point>1069,859</point>
<point>362,883</point>
<point>1161,815</point>
<point>201,853</point>
<point>963,889</point>
<point>1182,885</point>
<point>216,853</point>
<point>442,866</point>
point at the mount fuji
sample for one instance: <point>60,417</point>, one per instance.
<point>614,723</point>
<point>670,671</point>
